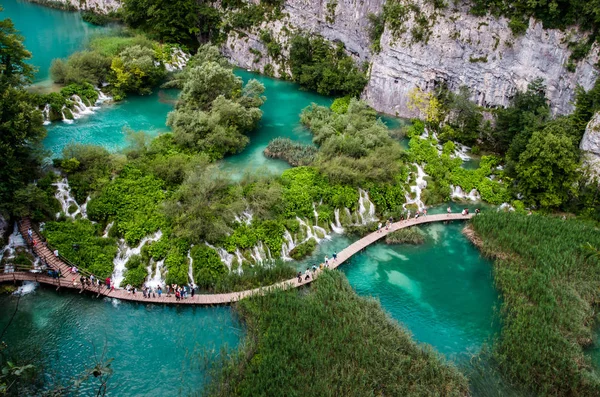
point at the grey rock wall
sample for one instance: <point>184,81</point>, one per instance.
<point>98,6</point>
<point>590,147</point>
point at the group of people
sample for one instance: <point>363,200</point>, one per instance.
<point>86,281</point>
<point>310,272</point>
<point>180,292</point>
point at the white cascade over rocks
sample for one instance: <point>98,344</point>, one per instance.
<point>458,193</point>
<point>68,202</point>
<point>417,189</point>
<point>125,252</point>
<point>156,279</point>
<point>15,242</point>
<point>337,225</point>
<point>225,256</point>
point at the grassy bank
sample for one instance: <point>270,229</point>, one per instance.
<point>550,296</point>
<point>330,342</point>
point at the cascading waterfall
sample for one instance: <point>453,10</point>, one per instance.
<point>15,240</point>
<point>155,280</point>
<point>46,114</point>
<point>316,214</point>
<point>366,209</point>
<point>244,218</point>
<point>225,256</point>
<point>417,189</point>
<point>64,118</point>
<point>287,246</point>
<point>191,267</point>
<point>125,252</point>
<point>107,230</point>
<point>258,253</point>
<point>178,60</point>
<point>458,193</point>
<point>66,200</point>
<point>80,109</point>
<point>26,288</point>
<point>337,226</point>
<point>462,151</point>
<point>240,259</point>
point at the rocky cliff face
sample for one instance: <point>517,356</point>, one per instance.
<point>98,6</point>
<point>590,147</point>
<point>479,52</point>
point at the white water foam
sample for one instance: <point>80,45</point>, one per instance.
<point>417,189</point>
<point>125,252</point>
<point>27,288</point>
<point>66,200</point>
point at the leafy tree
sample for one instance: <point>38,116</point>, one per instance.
<point>135,70</point>
<point>515,124</point>
<point>14,69</point>
<point>21,129</point>
<point>81,67</point>
<point>547,168</point>
<point>176,21</point>
<point>319,66</point>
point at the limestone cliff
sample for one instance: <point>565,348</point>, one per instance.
<point>98,6</point>
<point>590,147</point>
<point>460,49</point>
<point>479,52</point>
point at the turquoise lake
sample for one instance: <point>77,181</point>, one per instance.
<point>442,291</point>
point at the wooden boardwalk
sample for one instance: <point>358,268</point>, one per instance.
<point>72,281</point>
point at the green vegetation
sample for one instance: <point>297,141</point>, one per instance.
<point>21,129</point>
<point>130,63</point>
<point>176,21</point>
<point>329,325</point>
<point>294,153</point>
<point>317,65</point>
<point>80,241</point>
<point>98,19</point>
<point>411,235</point>
<point>303,250</point>
<point>215,110</point>
<point>549,288</point>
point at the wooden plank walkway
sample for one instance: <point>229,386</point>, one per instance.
<point>72,281</point>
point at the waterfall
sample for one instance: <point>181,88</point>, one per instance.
<point>155,280</point>
<point>316,214</point>
<point>505,207</point>
<point>240,259</point>
<point>225,256</point>
<point>462,151</point>
<point>107,230</point>
<point>26,288</point>
<point>191,267</point>
<point>102,98</point>
<point>244,218</point>
<point>125,252</point>
<point>178,60</point>
<point>63,195</point>
<point>420,184</point>
<point>366,209</point>
<point>458,193</point>
<point>80,109</point>
<point>46,114</point>
<point>337,226</point>
<point>258,253</point>
<point>64,118</point>
<point>287,246</point>
<point>15,240</point>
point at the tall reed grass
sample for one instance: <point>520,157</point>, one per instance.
<point>551,291</point>
<point>328,341</point>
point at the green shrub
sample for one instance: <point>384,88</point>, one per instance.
<point>294,153</point>
<point>304,249</point>
<point>411,235</point>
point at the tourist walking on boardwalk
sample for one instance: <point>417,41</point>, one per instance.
<point>159,290</point>
<point>449,210</point>
<point>299,277</point>
<point>424,211</point>
<point>334,256</point>
<point>307,277</point>
<point>326,261</point>
<point>379,228</point>
<point>107,281</point>
<point>30,233</point>
<point>193,292</point>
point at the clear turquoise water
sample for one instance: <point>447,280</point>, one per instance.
<point>156,349</point>
<point>108,125</point>
<point>442,291</point>
<point>48,33</point>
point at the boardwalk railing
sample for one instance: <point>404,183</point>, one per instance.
<point>69,280</point>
